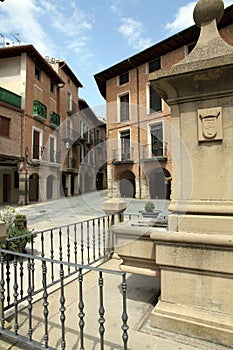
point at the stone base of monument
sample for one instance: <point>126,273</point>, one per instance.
<point>135,247</point>
<point>196,285</point>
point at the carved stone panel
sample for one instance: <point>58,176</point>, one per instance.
<point>210,124</point>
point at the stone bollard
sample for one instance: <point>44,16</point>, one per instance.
<point>115,207</point>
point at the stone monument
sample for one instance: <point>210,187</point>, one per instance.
<point>196,254</point>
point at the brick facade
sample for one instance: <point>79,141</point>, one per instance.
<point>143,173</point>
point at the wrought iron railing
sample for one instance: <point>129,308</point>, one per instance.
<point>10,97</point>
<point>53,256</point>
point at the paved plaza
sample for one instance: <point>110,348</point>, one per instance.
<point>142,292</point>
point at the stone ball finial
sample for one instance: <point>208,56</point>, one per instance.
<point>207,10</point>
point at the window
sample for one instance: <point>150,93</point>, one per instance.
<point>37,150</point>
<point>37,73</point>
<point>52,86</point>
<point>4,126</point>
<point>124,78</point>
<point>154,65</point>
<point>124,107</point>
<point>69,102</point>
<point>156,132</point>
<point>155,102</point>
<point>125,145</point>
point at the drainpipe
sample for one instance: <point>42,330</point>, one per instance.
<point>138,125</point>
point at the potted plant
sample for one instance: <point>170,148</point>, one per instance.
<point>16,225</point>
<point>150,211</point>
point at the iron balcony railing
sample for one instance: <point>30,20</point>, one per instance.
<point>54,256</point>
<point>10,98</point>
<point>40,153</point>
<point>54,120</point>
<point>151,151</point>
<point>72,163</point>
<point>120,155</point>
<point>39,111</point>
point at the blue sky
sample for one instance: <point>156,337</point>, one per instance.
<point>92,35</point>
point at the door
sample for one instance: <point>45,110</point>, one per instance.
<point>6,187</point>
<point>36,145</point>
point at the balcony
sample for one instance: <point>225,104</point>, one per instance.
<point>71,107</point>
<point>120,156</point>
<point>54,120</point>
<point>72,164</point>
<point>39,111</point>
<point>155,152</point>
<point>10,98</point>
<point>40,154</point>
<point>70,135</point>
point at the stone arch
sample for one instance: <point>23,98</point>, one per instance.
<point>49,186</point>
<point>34,187</point>
<point>160,184</point>
<point>127,184</point>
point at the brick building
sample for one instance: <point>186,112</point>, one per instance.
<point>138,131</point>
<point>40,145</point>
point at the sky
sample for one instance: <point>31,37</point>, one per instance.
<point>93,35</point>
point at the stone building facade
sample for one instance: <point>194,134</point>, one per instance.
<point>139,150</point>
<point>45,163</point>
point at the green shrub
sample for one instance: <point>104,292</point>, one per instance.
<point>16,227</point>
<point>149,206</point>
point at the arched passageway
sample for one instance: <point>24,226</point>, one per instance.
<point>49,187</point>
<point>160,184</point>
<point>127,184</point>
<point>33,188</point>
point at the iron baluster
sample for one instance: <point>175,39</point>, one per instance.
<point>68,247</point>
<point>2,291</point>
<point>88,243</point>
<point>8,274</point>
<point>124,326</point>
<point>21,268</point>
<point>82,245</point>
<point>15,287</point>
<point>62,308</point>
<point>104,235</point>
<point>29,299</point>
<point>45,304</point>
<point>99,236</point>
<point>52,255</point>
<point>75,246</point>
<point>32,265</point>
<point>101,311</point>
<point>42,244</point>
<point>81,308</point>
<point>109,235</point>
<point>93,238</point>
<point>60,244</point>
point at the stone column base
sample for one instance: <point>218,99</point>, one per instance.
<point>196,285</point>
<point>211,326</point>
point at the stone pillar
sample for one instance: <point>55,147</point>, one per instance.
<point>76,185</point>
<point>42,189</point>
<point>196,255</point>
<point>115,207</point>
<point>68,184</point>
<point>23,184</point>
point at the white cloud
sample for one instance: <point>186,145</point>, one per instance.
<point>21,17</point>
<point>227,3</point>
<point>133,31</point>
<point>183,18</point>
